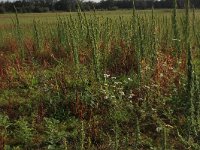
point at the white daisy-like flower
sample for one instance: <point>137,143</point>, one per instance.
<point>106,97</point>
<point>122,93</point>
<point>130,79</point>
<point>158,129</point>
<point>131,96</point>
<point>117,83</point>
<point>106,75</point>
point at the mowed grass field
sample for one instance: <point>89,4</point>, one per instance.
<point>125,79</point>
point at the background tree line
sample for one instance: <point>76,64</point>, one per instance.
<point>25,6</point>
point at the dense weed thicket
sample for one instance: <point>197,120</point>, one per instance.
<point>92,82</point>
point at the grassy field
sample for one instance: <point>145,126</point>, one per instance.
<point>116,80</point>
<point>52,17</point>
<point>6,19</point>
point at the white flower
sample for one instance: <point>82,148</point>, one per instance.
<point>147,87</point>
<point>167,125</point>
<point>131,96</point>
<point>113,78</point>
<point>140,99</point>
<point>106,97</point>
<point>158,129</point>
<point>130,79</point>
<point>104,91</point>
<point>153,109</point>
<point>161,75</point>
<point>122,93</point>
<point>165,64</point>
<point>154,85</point>
<point>147,67</point>
<point>106,75</point>
<point>117,83</point>
<point>120,88</point>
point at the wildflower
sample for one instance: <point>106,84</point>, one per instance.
<point>130,79</point>
<point>117,83</point>
<point>122,93</point>
<point>106,97</point>
<point>140,99</point>
<point>167,125</point>
<point>104,91</point>
<point>106,75</point>
<point>161,75</point>
<point>120,88</point>
<point>147,67</point>
<point>158,129</point>
<point>165,64</point>
<point>147,87</point>
<point>153,109</point>
<point>131,96</point>
<point>112,96</point>
<point>113,78</point>
<point>155,85</point>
